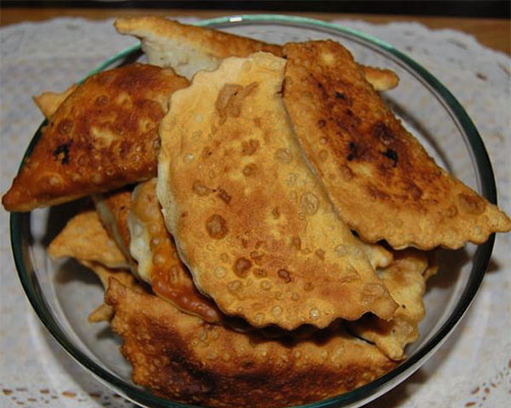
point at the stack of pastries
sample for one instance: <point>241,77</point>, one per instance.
<point>262,223</point>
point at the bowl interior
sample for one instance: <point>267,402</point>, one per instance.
<point>64,293</point>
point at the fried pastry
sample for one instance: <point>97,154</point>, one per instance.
<point>85,239</point>
<point>380,179</point>
<point>158,261</point>
<point>181,357</point>
<point>134,220</point>
<point>103,136</point>
<point>406,282</point>
<point>189,49</point>
<point>249,218</point>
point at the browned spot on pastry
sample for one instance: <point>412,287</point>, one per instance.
<point>242,266</point>
<point>216,226</point>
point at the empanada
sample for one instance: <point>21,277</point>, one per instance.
<point>182,358</point>
<point>103,136</point>
<point>380,179</point>
<point>250,220</point>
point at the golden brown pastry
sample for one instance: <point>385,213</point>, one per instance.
<point>250,220</point>
<point>406,282</point>
<point>189,49</point>
<point>158,261</point>
<point>103,136</point>
<point>85,238</point>
<point>380,179</point>
<point>180,357</point>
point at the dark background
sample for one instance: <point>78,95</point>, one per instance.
<point>451,8</point>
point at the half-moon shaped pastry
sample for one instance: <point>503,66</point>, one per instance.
<point>382,182</point>
<point>180,357</point>
<point>103,136</point>
<point>250,220</point>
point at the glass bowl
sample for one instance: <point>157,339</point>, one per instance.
<point>64,294</point>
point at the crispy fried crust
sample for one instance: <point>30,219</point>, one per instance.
<point>381,180</point>
<point>406,282</point>
<point>103,136</point>
<point>135,222</point>
<point>188,49</point>
<point>182,358</point>
<point>48,102</point>
<point>158,261</point>
<point>249,218</point>
<point>85,238</point>
<point>213,42</point>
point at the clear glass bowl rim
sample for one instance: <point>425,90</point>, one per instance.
<point>480,260</point>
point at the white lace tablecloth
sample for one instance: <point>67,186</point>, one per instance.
<point>473,369</point>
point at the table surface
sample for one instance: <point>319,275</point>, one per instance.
<point>493,33</point>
